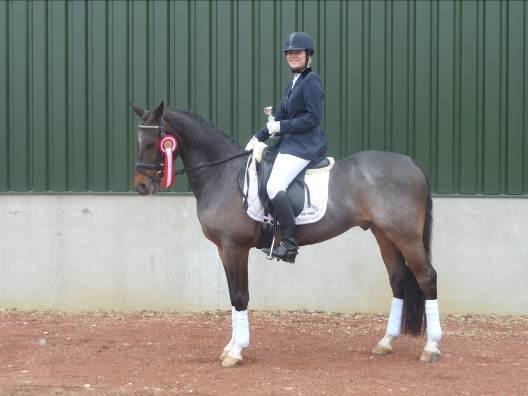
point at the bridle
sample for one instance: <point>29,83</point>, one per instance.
<point>159,164</point>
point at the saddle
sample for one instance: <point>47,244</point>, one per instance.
<point>298,192</point>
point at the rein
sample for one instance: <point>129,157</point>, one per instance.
<point>184,170</point>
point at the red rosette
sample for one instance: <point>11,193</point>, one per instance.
<point>168,146</point>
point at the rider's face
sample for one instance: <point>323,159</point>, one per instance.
<point>296,59</point>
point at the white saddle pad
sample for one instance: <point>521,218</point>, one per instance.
<point>317,182</point>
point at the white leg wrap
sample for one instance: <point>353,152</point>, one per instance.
<point>395,318</point>
<point>242,329</point>
<point>434,332</point>
<point>241,334</point>
<point>233,330</point>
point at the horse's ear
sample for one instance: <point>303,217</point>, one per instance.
<point>138,110</point>
<point>159,111</point>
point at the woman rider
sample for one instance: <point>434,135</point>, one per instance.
<point>298,117</point>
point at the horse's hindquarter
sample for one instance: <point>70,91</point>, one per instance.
<point>370,188</point>
<point>391,187</point>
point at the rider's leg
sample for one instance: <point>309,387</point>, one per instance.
<point>285,169</point>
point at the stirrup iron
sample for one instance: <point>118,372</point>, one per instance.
<point>269,256</point>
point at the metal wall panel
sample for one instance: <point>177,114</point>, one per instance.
<point>442,81</point>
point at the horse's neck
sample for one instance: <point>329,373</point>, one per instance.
<point>200,147</point>
<point>212,181</point>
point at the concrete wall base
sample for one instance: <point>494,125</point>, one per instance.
<point>125,252</point>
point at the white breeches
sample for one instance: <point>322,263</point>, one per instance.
<point>285,169</point>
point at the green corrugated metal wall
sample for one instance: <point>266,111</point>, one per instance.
<point>443,81</point>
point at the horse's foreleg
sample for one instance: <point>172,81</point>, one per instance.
<point>235,262</point>
<point>394,263</point>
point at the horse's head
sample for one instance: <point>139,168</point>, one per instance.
<point>149,157</point>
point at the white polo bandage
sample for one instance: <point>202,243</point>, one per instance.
<point>434,332</point>
<point>395,317</point>
<point>242,329</point>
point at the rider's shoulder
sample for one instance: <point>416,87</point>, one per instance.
<point>313,77</point>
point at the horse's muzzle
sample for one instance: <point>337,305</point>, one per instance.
<point>142,189</point>
<point>146,184</point>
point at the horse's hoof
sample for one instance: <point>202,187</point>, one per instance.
<point>230,362</point>
<point>430,357</point>
<point>223,355</point>
<point>380,350</point>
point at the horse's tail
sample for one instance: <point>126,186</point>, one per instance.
<point>413,318</point>
<point>428,222</point>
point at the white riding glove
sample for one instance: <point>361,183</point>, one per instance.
<point>273,126</point>
<point>251,143</point>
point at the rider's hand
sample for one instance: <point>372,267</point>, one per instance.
<point>273,126</point>
<point>251,143</point>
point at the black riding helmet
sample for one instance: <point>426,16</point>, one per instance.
<point>298,41</point>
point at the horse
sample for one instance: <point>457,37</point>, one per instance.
<point>382,191</point>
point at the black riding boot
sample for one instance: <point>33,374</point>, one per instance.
<point>284,211</point>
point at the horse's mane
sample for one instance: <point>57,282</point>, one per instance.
<point>205,123</point>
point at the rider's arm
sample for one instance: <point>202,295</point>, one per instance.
<point>313,102</point>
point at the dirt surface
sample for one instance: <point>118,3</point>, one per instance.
<point>290,354</point>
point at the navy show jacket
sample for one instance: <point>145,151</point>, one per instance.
<point>300,113</point>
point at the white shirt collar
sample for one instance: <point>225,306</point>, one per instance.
<point>295,78</point>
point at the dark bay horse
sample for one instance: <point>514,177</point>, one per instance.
<point>381,191</point>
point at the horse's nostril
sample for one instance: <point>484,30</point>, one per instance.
<point>142,188</point>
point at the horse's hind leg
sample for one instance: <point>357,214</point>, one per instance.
<point>235,261</point>
<point>395,264</point>
<point>418,261</point>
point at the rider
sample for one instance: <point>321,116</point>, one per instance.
<point>298,117</point>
